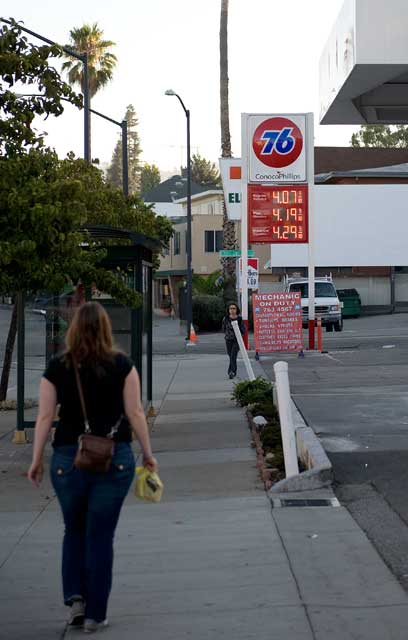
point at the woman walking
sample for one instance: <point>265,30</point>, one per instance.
<point>90,501</point>
<point>233,313</point>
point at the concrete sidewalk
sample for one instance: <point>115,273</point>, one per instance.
<point>213,560</point>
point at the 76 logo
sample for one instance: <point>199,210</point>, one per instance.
<point>281,141</point>
<point>277,142</point>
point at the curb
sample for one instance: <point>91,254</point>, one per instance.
<point>265,472</point>
<point>319,470</point>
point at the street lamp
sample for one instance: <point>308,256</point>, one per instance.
<point>189,310</point>
<point>123,125</point>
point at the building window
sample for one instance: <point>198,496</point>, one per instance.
<point>213,241</point>
<point>176,243</point>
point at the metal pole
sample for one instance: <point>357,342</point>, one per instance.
<point>189,268</point>
<point>311,263</point>
<point>87,115</point>
<point>125,160</point>
<point>244,227</point>
<point>19,436</point>
<point>392,289</point>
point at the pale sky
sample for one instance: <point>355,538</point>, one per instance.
<point>274,51</point>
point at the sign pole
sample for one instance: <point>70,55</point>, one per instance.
<point>311,265</point>
<point>244,226</point>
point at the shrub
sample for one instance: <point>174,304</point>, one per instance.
<point>208,312</point>
<point>266,409</point>
<point>252,391</point>
<point>271,436</point>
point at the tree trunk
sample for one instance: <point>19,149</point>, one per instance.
<point>224,105</point>
<point>8,354</point>
<point>228,264</point>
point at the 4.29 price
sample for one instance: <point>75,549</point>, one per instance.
<point>287,232</point>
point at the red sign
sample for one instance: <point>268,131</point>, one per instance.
<point>277,142</point>
<point>277,322</point>
<point>277,214</point>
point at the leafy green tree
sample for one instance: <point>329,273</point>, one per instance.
<point>45,203</point>
<point>101,61</point>
<point>211,285</point>
<point>149,177</point>
<point>382,136</point>
<point>204,171</point>
<point>27,64</point>
<point>114,173</point>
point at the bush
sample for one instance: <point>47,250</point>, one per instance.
<point>266,409</point>
<point>271,436</point>
<point>208,312</point>
<point>252,392</point>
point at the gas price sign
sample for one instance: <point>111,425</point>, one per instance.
<point>277,214</point>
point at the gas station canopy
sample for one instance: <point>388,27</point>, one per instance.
<point>364,66</point>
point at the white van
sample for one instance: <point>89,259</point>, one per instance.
<point>327,304</point>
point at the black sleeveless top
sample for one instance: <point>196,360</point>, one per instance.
<point>103,392</point>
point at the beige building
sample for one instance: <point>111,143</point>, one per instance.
<point>207,241</point>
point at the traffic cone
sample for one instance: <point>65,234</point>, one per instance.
<point>193,335</point>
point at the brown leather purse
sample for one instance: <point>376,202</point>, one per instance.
<point>94,452</point>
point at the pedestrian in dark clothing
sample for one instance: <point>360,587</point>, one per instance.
<point>233,313</point>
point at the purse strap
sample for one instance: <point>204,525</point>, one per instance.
<point>82,399</point>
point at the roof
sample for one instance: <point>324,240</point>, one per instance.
<point>204,194</point>
<point>173,189</point>
<point>106,232</point>
<point>329,159</point>
<point>396,171</point>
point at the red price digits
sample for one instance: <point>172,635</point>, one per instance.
<point>287,197</point>
<point>286,232</point>
<point>287,214</point>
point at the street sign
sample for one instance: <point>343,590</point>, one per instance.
<point>277,322</point>
<point>252,275</point>
<point>276,148</point>
<point>234,253</point>
<point>278,214</point>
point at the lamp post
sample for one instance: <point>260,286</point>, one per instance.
<point>122,125</point>
<point>189,318</point>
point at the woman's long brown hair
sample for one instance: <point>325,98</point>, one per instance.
<point>89,337</point>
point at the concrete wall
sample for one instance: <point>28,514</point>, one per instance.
<point>401,287</point>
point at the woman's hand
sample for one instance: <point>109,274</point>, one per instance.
<point>36,472</point>
<point>151,464</point>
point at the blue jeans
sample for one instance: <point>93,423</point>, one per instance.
<point>90,504</point>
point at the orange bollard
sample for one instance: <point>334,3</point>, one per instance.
<point>319,335</point>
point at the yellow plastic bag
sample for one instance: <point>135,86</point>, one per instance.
<point>148,485</point>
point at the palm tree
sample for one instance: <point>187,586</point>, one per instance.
<point>228,226</point>
<point>101,62</point>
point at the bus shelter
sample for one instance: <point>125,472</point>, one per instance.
<point>132,328</point>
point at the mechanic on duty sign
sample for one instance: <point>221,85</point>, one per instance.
<point>277,148</point>
<point>277,322</point>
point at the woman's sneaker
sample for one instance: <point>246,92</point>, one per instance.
<point>90,626</point>
<point>77,614</point>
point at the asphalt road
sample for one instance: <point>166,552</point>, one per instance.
<point>356,399</point>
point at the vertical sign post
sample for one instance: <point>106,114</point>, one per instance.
<point>311,265</point>
<point>244,226</point>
